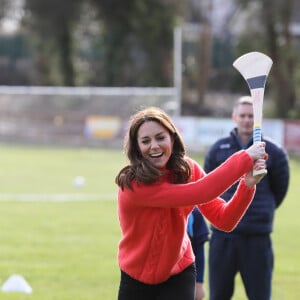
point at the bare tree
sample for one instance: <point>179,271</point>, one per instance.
<point>53,24</point>
<point>277,19</point>
<point>137,35</point>
<point>277,40</point>
<point>4,6</point>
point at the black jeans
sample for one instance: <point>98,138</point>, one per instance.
<point>177,287</point>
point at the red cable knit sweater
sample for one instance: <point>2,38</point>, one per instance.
<point>154,243</point>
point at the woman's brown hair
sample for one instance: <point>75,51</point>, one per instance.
<point>139,168</point>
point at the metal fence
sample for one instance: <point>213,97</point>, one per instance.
<point>59,114</point>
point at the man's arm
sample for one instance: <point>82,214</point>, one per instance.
<point>210,162</point>
<point>279,175</point>
<point>198,236</point>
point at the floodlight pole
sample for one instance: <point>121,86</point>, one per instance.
<point>178,68</point>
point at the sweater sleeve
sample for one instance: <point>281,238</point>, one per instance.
<point>226,215</point>
<point>207,188</point>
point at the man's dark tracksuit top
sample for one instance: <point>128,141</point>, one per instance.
<point>270,191</point>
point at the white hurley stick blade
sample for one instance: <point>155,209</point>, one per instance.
<point>254,67</point>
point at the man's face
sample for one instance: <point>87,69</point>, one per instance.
<point>243,117</point>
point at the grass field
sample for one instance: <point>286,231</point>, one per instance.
<point>63,239</point>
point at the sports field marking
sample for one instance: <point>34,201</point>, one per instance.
<point>58,197</point>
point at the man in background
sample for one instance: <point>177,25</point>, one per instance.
<point>199,234</point>
<point>248,249</point>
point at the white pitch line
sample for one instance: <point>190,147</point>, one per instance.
<point>57,197</point>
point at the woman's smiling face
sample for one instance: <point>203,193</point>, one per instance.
<point>155,143</point>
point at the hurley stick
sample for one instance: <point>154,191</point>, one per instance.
<point>255,68</point>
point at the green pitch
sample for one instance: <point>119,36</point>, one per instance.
<point>63,239</point>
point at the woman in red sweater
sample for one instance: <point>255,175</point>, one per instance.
<point>157,191</point>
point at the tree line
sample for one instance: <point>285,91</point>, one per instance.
<point>130,43</point>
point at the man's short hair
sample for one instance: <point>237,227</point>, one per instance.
<point>245,100</point>
<point>242,100</point>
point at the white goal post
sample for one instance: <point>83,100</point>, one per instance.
<point>59,112</point>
